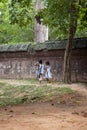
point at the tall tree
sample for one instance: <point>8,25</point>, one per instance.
<point>74,15</point>
<point>66,15</point>
<point>24,12</point>
<point>72,29</point>
<point>41,31</point>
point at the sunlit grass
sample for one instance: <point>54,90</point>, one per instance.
<point>12,95</point>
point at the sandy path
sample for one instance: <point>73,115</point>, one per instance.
<point>42,117</point>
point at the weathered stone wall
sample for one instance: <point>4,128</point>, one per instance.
<point>20,65</point>
<point>16,65</point>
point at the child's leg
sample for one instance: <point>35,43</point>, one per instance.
<point>47,80</point>
<point>40,78</point>
<point>50,80</point>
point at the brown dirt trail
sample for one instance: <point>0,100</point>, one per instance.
<point>47,115</point>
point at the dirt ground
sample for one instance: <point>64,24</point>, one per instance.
<point>66,115</point>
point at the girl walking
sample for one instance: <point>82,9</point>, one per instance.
<point>48,74</point>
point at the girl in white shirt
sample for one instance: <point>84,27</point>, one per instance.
<point>48,74</point>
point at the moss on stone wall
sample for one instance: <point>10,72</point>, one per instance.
<point>53,45</point>
<point>49,45</point>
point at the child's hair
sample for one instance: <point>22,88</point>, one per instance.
<point>47,63</point>
<point>40,61</point>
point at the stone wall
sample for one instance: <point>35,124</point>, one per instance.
<point>20,65</point>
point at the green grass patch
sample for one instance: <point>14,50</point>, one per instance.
<point>64,90</point>
<point>12,95</point>
<point>1,84</point>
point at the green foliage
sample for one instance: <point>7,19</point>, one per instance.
<point>82,21</point>
<point>21,12</point>
<point>55,33</point>
<point>57,15</point>
<point>13,33</point>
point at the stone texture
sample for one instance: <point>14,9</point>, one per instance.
<point>19,64</point>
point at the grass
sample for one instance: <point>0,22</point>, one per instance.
<point>12,95</point>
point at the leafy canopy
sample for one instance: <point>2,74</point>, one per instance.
<point>21,12</point>
<point>13,33</point>
<point>57,14</point>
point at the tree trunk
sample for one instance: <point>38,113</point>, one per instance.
<point>41,31</point>
<point>67,59</point>
<point>72,29</point>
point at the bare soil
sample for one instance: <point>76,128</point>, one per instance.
<point>68,114</point>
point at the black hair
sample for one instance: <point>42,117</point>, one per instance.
<point>40,61</point>
<point>47,63</point>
